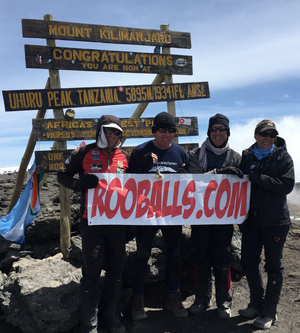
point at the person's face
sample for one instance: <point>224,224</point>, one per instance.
<point>265,142</point>
<point>218,134</point>
<point>163,140</point>
<point>112,136</point>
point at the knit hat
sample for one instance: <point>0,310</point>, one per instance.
<point>164,120</point>
<point>265,125</point>
<point>218,119</point>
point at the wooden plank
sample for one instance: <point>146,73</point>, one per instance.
<point>64,193</point>
<point>16,100</point>
<point>104,34</point>
<point>51,160</point>
<point>106,61</point>
<point>85,129</point>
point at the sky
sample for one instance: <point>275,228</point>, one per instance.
<point>247,51</point>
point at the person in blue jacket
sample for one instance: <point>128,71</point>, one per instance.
<point>159,154</point>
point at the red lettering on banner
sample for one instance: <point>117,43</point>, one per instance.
<point>223,187</point>
<point>238,200</point>
<point>168,198</point>
<point>97,200</point>
<point>143,202</point>
<point>129,187</point>
<point>176,210</point>
<point>186,200</point>
<point>155,200</point>
<point>114,185</point>
<point>166,210</point>
<point>212,186</point>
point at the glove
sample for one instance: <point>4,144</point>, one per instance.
<point>231,170</point>
<point>85,182</point>
<point>146,163</point>
<point>181,170</point>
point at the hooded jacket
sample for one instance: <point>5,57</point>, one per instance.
<point>92,159</point>
<point>272,178</point>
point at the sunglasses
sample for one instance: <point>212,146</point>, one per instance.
<point>265,134</point>
<point>221,129</point>
<point>165,130</point>
<point>108,130</point>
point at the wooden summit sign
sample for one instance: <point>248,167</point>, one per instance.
<point>85,129</point>
<point>51,160</point>
<point>15,100</point>
<point>104,34</point>
<point>106,61</point>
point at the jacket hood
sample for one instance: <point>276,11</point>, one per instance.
<point>280,143</point>
<point>107,121</point>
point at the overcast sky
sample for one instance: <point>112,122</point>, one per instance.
<point>248,51</point>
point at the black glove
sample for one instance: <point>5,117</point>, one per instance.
<point>146,163</point>
<point>85,182</point>
<point>231,170</point>
<point>181,170</point>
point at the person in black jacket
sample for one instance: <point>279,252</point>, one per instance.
<point>270,170</point>
<point>212,242</point>
<point>103,246</point>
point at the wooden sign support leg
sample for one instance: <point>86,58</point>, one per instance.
<point>25,160</point>
<point>65,211</point>
<point>169,79</point>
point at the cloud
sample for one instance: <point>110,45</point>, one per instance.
<point>288,127</point>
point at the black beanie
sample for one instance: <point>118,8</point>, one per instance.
<point>218,119</point>
<point>164,120</point>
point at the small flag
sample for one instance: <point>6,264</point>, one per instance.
<point>185,121</point>
<point>27,208</point>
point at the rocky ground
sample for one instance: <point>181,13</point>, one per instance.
<point>160,320</point>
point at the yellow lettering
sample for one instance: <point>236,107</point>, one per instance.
<point>52,29</point>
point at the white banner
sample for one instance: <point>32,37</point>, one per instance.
<point>177,199</point>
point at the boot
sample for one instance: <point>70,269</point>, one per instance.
<point>203,292</point>
<point>137,307</point>
<point>174,304</point>
<point>109,305</point>
<point>89,308</point>
<point>273,290</point>
<point>223,292</point>
<point>257,291</point>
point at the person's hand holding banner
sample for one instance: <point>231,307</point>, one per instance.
<point>86,182</point>
<point>230,170</point>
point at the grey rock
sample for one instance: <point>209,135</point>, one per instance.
<point>42,295</point>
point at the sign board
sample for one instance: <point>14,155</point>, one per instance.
<point>51,160</point>
<point>85,129</point>
<point>16,100</point>
<point>106,61</point>
<point>104,34</point>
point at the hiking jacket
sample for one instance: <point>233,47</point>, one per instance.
<point>230,158</point>
<point>92,159</point>
<point>272,178</point>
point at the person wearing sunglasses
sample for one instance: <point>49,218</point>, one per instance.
<point>270,170</point>
<point>212,242</point>
<point>101,244</point>
<point>159,154</point>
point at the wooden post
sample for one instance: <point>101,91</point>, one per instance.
<point>65,211</point>
<point>25,161</point>
<point>169,78</point>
